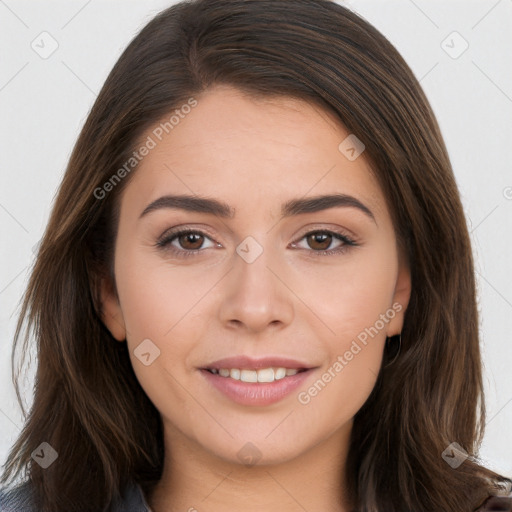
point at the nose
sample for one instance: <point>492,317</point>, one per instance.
<point>256,295</point>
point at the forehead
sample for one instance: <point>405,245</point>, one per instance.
<point>251,153</point>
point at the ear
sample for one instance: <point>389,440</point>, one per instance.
<point>110,309</point>
<point>401,297</point>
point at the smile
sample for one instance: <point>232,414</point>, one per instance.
<point>249,390</point>
<point>261,375</point>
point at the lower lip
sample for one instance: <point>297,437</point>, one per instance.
<point>257,393</point>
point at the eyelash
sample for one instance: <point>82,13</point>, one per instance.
<point>165,241</point>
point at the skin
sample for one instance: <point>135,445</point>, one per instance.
<point>254,154</point>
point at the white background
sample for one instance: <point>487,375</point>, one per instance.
<point>44,102</point>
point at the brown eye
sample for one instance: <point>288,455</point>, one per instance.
<point>185,242</point>
<point>319,240</point>
<point>191,241</point>
<point>317,243</point>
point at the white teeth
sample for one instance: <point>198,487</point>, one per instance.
<point>280,373</point>
<point>263,375</point>
<point>248,376</point>
<point>266,375</point>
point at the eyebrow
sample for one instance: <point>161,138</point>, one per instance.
<point>290,208</point>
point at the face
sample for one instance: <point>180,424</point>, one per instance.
<point>280,278</point>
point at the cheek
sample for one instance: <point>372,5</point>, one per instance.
<point>337,394</point>
<point>158,309</point>
<point>157,298</point>
<point>354,301</point>
<point>158,305</point>
<point>350,295</point>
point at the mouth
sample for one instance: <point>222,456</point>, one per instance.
<point>256,382</point>
<point>254,375</point>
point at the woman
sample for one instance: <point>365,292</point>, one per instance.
<point>256,288</point>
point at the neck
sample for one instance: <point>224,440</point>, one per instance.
<point>195,480</point>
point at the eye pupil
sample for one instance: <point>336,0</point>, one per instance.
<point>320,238</point>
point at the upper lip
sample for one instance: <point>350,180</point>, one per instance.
<point>245,362</point>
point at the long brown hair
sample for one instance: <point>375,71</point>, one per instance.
<point>88,404</point>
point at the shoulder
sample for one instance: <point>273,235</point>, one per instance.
<point>501,496</point>
<point>133,499</point>
<point>496,503</point>
<point>17,498</point>
<point>501,500</point>
<point>20,499</point>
